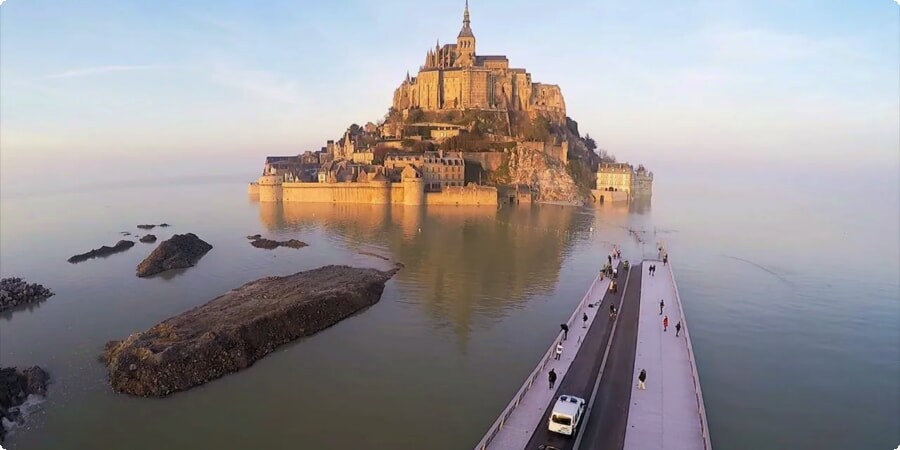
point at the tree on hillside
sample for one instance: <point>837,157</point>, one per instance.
<point>379,152</point>
<point>538,130</point>
<point>606,156</point>
<point>415,115</point>
<point>589,142</point>
<point>423,146</point>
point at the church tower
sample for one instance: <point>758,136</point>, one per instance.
<point>465,43</point>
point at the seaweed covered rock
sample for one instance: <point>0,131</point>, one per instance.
<point>269,244</point>
<point>178,252</point>
<point>15,387</point>
<point>102,252</point>
<point>232,331</point>
<point>15,291</point>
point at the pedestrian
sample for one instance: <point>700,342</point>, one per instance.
<point>609,259</point>
<point>565,330</point>
<point>584,320</point>
<point>642,379</point>
<point>666,322</point>
<point>618,254</point>
<point>661,304</point>
<point>552,377</point>
<point>559,349</point>
<point>677,328</point>
<point>666,259</point>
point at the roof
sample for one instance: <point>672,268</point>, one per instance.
<point>568,405</point>
<point>466,32</point>
<point>493,57</point>
<point>272,159</point>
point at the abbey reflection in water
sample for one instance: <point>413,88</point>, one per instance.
<point>467,263</point>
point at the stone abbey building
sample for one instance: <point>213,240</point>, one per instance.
<point>455,76</point>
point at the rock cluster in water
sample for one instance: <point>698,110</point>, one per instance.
<point>15,387</point>
<point>146,226</point>
<point>269,244</point>
<point>15,291</point>
<point>106,250</point>
<point>232,331</point>
<point>178,252</point>
<point>148,239</point>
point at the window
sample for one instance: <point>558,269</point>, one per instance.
<point>562,420</point>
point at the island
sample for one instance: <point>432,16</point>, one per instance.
<point>467,129</point>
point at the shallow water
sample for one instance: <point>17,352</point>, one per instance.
<point>793,304</point>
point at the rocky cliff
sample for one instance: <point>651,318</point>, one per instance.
<point>545,175</point>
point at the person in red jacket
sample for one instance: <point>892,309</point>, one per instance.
<point>665,323</point>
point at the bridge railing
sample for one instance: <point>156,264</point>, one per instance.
<point>695,376</point>
<point>532,378</point>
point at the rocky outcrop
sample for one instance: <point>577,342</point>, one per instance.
<point>148,239</point>
<point>146,226</point>
<point>232,331</point>
<point>104,251</point>
<point>178,252</point>
<point>164,225</point>
<point>254,237</point>
<point>15,291</point>
<point>270,244</point>
<point>15,387</point>
<point>547,176</point>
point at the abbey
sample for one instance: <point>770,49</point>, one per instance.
<point>455,76</point>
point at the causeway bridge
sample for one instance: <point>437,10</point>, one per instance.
<point>600,363</point>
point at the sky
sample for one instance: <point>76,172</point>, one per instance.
<point>202,87</point>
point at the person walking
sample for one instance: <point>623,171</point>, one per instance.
<point>666,323</point>
<point>661,304</point>
<point>642,379</point>
<point>559,349</point>
<point>666,259</point>
<point>584,320</point>
<point>565,330</point>
<point>552,377</point>
<point>677,328</point>
<point>609,259</point>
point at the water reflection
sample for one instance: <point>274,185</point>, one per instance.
<point>462,264</point>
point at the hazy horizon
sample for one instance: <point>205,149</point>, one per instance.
<point>120,90</point>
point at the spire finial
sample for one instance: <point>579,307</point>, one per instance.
<point>466,14</point>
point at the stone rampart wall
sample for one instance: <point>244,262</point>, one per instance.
<point>336,193</point>
<point>466,195</point>
<point>607,197</point>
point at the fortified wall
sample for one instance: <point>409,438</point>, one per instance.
<point>410,192</point>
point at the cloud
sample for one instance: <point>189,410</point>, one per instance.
<point>101,70</point>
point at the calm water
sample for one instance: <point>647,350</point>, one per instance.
<point>792,297</point>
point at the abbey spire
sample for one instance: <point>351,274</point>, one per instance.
<point>466,30</point>
<point>465,42</point>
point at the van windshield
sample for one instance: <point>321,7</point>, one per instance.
<point>562,420</point>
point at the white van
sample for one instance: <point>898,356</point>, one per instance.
<point>566,415</point>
